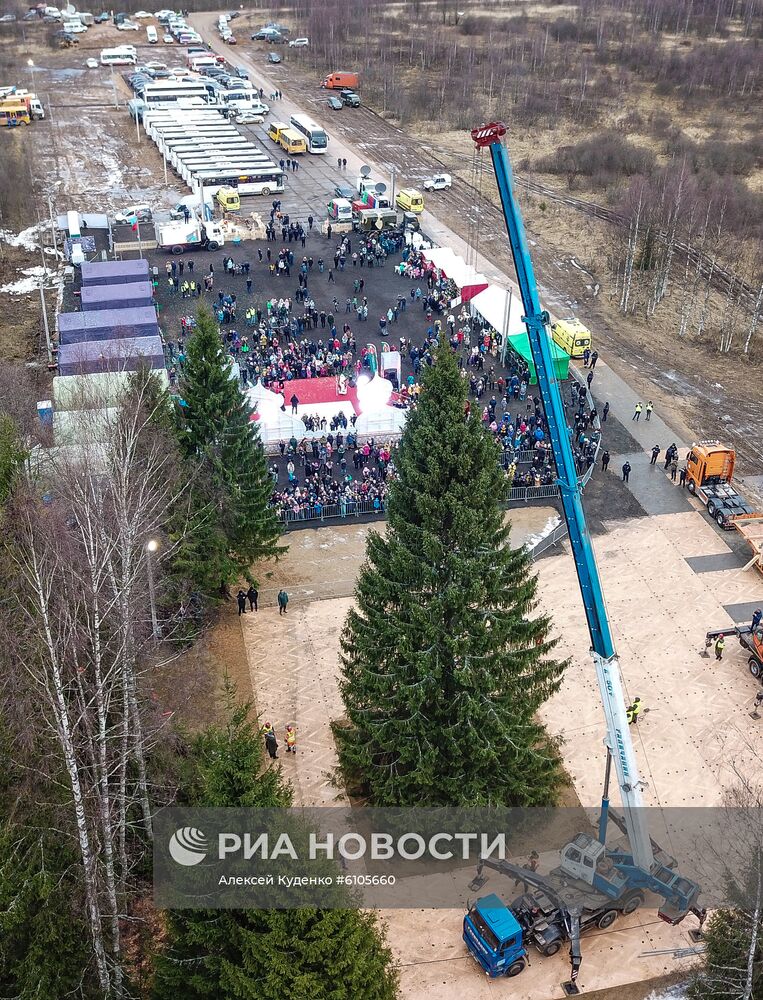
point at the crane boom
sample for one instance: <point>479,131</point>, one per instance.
<point>536,320</point>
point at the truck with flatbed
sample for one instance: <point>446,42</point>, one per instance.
<point>710,469</point>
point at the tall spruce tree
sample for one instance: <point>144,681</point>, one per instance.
<point>444,662</point>
<point>216,429</point>
<point>305,954</point>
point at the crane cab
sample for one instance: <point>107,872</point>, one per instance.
<point>494,937</point>
<point>581,857</point>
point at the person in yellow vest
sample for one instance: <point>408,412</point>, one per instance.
<point>271,743</point>
<point>637,414</point>
<point>634,711</point>
<point>720,645</point>
<point>291,739</point>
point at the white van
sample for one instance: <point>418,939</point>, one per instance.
<point>151,35</point>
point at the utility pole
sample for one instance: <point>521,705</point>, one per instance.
<point>45,320</point>
<point>394,177</point>
<point>54,241</point>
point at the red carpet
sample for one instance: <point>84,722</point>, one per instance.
<point>318,390</point>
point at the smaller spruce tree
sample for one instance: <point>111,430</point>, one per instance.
<point>303,954</point>
<point>217,431</point>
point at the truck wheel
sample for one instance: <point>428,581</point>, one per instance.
<point>552,949</point>
<point>632,903</point>
<point>266,191</point>
<point>691,487</point>
<point>176,250</point>
<point>756,667</point>
<point>720,519</point>
<point>515,968</point>
<point>213,245</point>
<point>711,509</point>
<point>606,919</point>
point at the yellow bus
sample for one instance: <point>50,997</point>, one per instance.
<point>14,113</point>
<point>291,141</point>
<point>275,129</point>
<point>571,336</point>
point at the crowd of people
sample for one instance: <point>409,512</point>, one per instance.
<point>286,338</point>
<point>317,477</point>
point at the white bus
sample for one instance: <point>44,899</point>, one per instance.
<point>118,57</point>
<point>265,180</point>
<point>315,136</point>
<point>170,92</point>
<point>151,35</point>
<point>191,170</point>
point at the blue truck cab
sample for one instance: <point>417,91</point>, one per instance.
<point>494,937</point>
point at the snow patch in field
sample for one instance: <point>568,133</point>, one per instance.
<point>25,239</point>
<point>29,283</point>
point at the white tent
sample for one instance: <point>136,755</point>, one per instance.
<point>501,309</point>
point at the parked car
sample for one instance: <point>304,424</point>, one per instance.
<point>231,40</point>
<point>344,191</point>
<point>91,63</point>
<point>335,104</point>
<point>75,28</point>
<point>168,39</point>
<point>233,15</point>
<point>102,18</point>
<point>273,57</point>
<point>438,182</point>
<point>31,15</point>
<point>142,15</point>
<point>7,18</point>
<point>249,118</point>
<point>128,26</point>
<point>299,43</point>
<point>350,98</point>
<point>240,72</point>
<point>143,213</point>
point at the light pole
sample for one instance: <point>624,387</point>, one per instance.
<point>30,64</point>
<point>151,547</point>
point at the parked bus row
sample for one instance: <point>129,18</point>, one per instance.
<point>205,149</point>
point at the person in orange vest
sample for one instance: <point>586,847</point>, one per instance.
<point>291,739</point>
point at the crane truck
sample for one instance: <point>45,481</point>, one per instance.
<point>595,874</point>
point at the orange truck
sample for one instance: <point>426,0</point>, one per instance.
<point>709,474</point>
<point>341,81</point>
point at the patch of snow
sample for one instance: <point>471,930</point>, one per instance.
<point>29,283</point>
<point>678,992</point>
<point>25,239</point>
<point>553,522</point>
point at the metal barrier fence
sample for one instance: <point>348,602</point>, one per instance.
<point>352,508</point>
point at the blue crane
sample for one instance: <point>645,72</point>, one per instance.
<point>615,873</point>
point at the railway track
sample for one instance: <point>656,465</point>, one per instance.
<point>483,217</point>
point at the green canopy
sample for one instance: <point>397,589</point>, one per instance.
<point>520,344</point>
